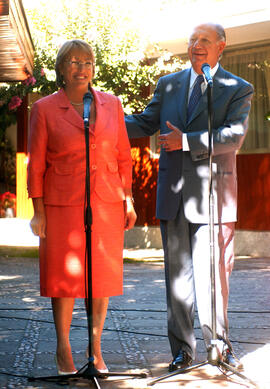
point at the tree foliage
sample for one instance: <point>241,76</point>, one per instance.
<point>124,65</point>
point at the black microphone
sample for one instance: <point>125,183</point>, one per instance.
<point>87,100</point>
<point>206,71</point>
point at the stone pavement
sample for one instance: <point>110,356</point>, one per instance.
<point>135,330</point>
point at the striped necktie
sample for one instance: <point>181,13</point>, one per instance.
<point>195,95</point>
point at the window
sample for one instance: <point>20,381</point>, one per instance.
<point>253,65</point>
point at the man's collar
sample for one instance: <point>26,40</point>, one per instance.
<point>194,75</point>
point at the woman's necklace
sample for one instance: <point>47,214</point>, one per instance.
<point>77,104</point>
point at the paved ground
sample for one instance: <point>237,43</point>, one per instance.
<point>135,329</point>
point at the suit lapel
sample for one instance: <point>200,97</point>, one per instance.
<point>181,90</point>
<point>220,81</point>
<point>100,102</point>
<point>183,98</point>
<point>69,113</point>
<point>71,116</point>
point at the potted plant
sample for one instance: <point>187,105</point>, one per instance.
<point>7,204</point>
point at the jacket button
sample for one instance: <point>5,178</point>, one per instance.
<point>93,146</point>
<point>94,167</point>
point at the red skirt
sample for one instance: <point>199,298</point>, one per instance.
<point>63,267</point>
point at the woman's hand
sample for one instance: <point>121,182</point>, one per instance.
<point>130,214</point>
<point>38,222</point>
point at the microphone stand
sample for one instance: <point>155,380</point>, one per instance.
<point>213,358</point>
<point>88,371</point>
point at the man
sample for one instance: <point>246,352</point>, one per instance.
<point>183,192</point>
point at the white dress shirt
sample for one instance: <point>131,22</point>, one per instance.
<point>193,76</point>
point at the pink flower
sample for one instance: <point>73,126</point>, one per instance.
<point>30,81</point>
<point>42,72</point>
<point>14,103</point>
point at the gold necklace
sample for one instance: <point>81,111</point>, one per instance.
<point>77,104</point>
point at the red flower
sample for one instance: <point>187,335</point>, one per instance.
<point>7,200</point>
<point>30,81</point>
<point>14,103</point>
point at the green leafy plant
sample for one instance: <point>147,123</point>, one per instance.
<point>11,97</point>
<point>124,64</point>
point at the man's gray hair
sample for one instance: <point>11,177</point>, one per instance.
<point>220,32</point>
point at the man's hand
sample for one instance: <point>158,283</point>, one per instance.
<point>171,141</point>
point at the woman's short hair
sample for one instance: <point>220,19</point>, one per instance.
<point>64,51</point>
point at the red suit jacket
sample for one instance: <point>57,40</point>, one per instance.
<point>56,168</point>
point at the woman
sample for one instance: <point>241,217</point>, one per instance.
<point>56,184</point>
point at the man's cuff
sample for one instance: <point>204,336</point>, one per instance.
<point>185,145</point>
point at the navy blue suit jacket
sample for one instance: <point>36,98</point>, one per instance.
<point>186,173</point>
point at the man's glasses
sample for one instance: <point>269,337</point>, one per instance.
<point>77,64</point>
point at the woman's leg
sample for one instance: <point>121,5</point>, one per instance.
<point>62,313</point>
<point>100,306</point>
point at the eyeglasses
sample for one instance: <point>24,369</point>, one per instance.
<point>77,64</point>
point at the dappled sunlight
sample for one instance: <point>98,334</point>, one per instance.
<point>4,278</point>
<point>17,232</point>
<point>144,182</point>
<point>168,87</point>
<point>72,264</point>
<point>75,239</point>
<point>135,331</point>
<point>29,299</point>
<point>256,365</point>
<point>228,81</point>
<point>129,286</point>
<point>205,377</point>
<point>176,188</point>
<point>203,170</point>
<point>78,314</point>
<point>143,164</point>
<point>120,382</point>
<point>142,254</point>
<point>181,289</point>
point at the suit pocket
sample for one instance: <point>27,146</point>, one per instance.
<point>109,185</point>
<point>113,167</point>
<point>112,176</point>
<point>63,170</point>
<point>67,178</point>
